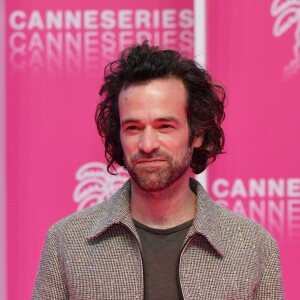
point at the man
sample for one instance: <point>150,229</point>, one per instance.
<point>161,236</point>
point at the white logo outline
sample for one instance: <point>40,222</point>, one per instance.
<point>287,14</point>
<point>95,184</point>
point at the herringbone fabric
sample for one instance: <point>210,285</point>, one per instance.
<point>96,254</point>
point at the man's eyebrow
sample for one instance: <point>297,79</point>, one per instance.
<point>130,120</point>
<point>168,119</point>
<point>161,119</point>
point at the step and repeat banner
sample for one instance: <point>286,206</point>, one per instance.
<point>253,47</point>
<point>55,55</point>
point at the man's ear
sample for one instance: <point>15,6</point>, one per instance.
<point>198,139</point>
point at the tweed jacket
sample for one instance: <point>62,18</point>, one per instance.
<point>96,254</point>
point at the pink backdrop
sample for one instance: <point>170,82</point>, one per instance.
<point>55,54</point>
<point>254,48</point>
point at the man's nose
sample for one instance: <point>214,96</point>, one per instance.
<point>149,140</point>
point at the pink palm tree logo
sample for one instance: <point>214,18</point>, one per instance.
<point>95,184</point>
<point>287,15</point>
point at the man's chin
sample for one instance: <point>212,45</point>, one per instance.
<point>151,180</point>
<point>151,186</point>
<point>154,178</point>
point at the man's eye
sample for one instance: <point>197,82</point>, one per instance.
<point>166,127</point>
<point>131,128</point>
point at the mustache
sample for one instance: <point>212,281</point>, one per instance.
<point>155,154</point>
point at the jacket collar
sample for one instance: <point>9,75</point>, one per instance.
<point>116,210</point>
<point>207,222</point>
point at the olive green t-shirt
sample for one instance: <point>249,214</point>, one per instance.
<point>160,251</point>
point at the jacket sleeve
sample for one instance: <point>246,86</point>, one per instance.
<point>270,286</point>
<point>50,282</point>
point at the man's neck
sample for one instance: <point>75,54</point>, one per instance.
<point>165,208</point>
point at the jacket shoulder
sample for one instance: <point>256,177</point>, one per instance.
<point>80,221</point>
<point>243,229</point>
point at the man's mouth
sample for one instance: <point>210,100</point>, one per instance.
<point>150,162</point>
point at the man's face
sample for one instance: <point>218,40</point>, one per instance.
<point>154,133</point>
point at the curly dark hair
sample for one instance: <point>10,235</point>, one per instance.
<point>142,63</point>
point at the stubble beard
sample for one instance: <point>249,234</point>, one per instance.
<point>159,178</point>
